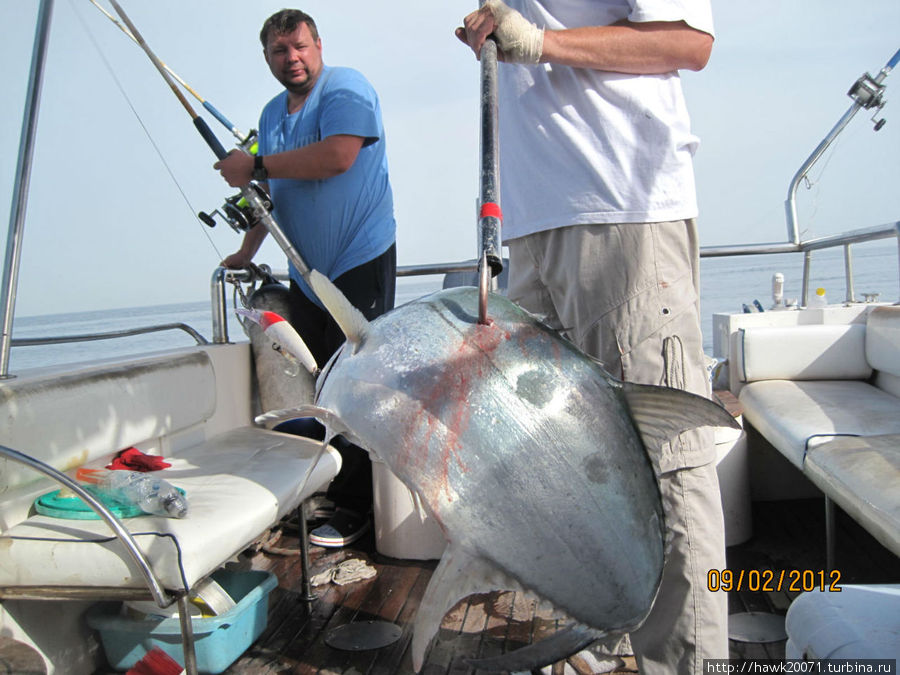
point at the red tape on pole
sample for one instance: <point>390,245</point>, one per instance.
<point>491,209</point>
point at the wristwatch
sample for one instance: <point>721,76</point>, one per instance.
<point>259,171</point>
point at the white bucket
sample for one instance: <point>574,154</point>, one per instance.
<point>734,484</point>
<point>403,529</point>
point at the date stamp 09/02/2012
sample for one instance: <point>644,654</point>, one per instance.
<point>773,581</point>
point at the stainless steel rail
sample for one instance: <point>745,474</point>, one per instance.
<point>159,594</point>
<point>866,93</point>
<point>844,239</point>
<point>88,337</point>
<point>221,276</point>
<point>806,248</point>
<point>20,189</point>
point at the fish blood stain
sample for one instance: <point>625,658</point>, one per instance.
<point>449,396</point>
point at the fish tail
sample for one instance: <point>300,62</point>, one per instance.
<point>558,647</point>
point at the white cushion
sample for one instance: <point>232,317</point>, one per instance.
<point>858,622</point>
<point>795,415</point>
<point>237,484</point>
<point>44,416</point>
<point>862,476</point>
<point>826,352</point>
<point>883,339</point>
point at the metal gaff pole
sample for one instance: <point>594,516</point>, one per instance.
<point>490,262</point>
<point>255,201</point>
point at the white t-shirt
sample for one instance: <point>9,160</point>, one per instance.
<point>581,146</point>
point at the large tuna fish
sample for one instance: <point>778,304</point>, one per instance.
<point>527,453</point>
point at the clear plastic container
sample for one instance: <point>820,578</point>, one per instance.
<point>151,494</point>
<point>818,299</point>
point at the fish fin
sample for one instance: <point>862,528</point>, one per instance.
<point>661,413</point>
<point>459,574</point>
<point>275,417</point>
<point>558,647</point>
<point>350,320</point>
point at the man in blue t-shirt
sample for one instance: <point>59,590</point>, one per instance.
<point>322,159</point>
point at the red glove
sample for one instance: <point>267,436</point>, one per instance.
<point>133,459</point>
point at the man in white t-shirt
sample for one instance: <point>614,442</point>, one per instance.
<point>599,204</point>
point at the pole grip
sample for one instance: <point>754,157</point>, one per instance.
<point>210,137</point>
<point>227,123</point>
<point>895,59</point>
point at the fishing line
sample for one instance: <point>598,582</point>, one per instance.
<point>812,183</point>
<point>143,126</point>
<point>241,137</point>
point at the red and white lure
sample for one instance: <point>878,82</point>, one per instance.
<point>286,340</point>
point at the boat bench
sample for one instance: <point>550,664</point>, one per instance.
<point>861,621</point>
<point>827,397</point>
<point>238,482</point>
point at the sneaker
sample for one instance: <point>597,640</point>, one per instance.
<point>342,529</point>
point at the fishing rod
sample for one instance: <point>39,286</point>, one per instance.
<point>245,140</point>
<point>257,205</point>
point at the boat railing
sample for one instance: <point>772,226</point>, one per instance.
<point>109,335</point>
<point>223,276</point>
<point>844,240</point>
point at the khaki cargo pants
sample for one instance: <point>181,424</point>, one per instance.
<point>628,294</point>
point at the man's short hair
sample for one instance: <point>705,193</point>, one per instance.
<point>285,22</point>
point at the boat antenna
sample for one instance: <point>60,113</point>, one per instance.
<point>210,108</point>
<point>261,213</point>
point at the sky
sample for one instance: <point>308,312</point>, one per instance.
<point>119,171</point>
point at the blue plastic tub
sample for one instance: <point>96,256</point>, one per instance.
<point>218,640</point>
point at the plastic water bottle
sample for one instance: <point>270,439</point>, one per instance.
<point>151,494</point>
<point>778,290</point>
<point>818,300</point>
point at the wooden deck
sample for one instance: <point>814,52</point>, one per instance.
<point>787,536</point>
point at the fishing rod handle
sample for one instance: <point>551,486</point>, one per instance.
<point>210,138</point>
<point>895,59</point>
<point>227,123</point>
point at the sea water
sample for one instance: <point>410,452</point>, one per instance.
<point>727,284</point>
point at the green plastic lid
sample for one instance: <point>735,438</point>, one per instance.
<point>72,507</point>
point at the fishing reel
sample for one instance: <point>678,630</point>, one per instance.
<point>868,92</point>
<point>237,212</point>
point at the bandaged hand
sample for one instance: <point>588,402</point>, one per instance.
<point>519,40</point>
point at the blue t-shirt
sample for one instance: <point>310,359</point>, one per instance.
<point>345,221</point>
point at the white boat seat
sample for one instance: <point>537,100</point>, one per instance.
<point>862,476</point>
<point>827,397</point>
<point>237,485</point>
<point>187,406</point>
<point>797,415</point>
<point>807,384</point>
<point>859,622</point>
